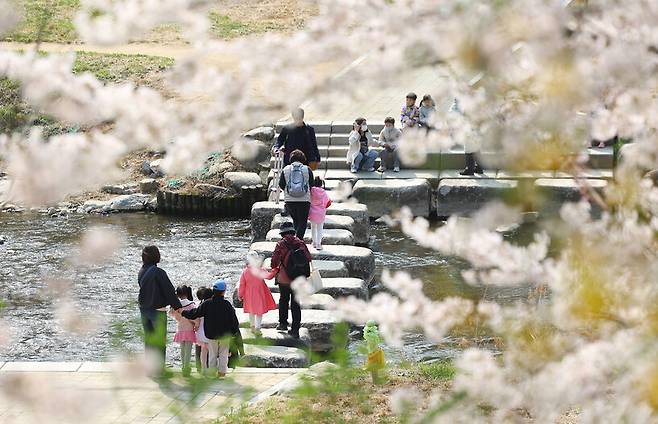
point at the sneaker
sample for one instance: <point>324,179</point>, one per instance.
<point>318,247</point>
<point>186,372</point>
<point>396,169</point>
<point>479,170</point>
<point>294,333</point>
<point>354,170</point>
<point>381,169</point>
<point>371,169</point>
<point>282,327</point>
<point>221,374</point>
<point>467,172</point>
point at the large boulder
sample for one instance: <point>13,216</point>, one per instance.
<point>156,168</point>
<point>264,134</point>
<point>557,191</point>
<point>93,206</point>
<point>463,196</point>
<point>250,153</point>
<point>128,203</point>
<point>237,180</point>
<point>263,213</point>
<point>320,325</point>
<point>359,261</point>
<point>328,237</point>
<point>149,185</point>
<point>384,197</point>
<point>260,356</point>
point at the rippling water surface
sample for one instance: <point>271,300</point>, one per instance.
<point>39,249</point>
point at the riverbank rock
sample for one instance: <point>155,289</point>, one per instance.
<point>263,213</point>
<point>273,337</point>
<point>121,188</point>
<point>274,357</point>
<point>359,261</point>
<point>264,134</point>
<point>463,196</point>
<point>320,325</point>
<point>149,186</point>
<point>128,203</point>
<point>237,180</point>
<point>156,168</point>
<point>329,237</point>
<point>93,206</point>
<point>384,197</point>
<point>210,189</point>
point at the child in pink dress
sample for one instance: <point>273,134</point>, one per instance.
<point>253,291</point>
<point>185,333</point>
<point>319,204</point>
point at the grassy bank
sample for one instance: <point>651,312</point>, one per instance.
<point>142,70</point>
<point>347,395</point>
<point>52,20</point>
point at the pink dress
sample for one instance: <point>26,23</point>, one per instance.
<point>185,330</point>
<point>319,204</point>
<point>256,296</point>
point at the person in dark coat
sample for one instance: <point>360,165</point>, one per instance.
<point>220,325</point>
<point>283,249</point>
<point>299,136</point>
<point>155,293</point>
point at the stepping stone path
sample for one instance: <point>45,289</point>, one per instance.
<point>347,267</point>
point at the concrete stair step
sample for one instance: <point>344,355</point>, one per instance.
<point>273,337</point>
<point>330,236</point>
<point>261,356</point>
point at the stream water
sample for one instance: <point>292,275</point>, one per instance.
<point>39,249</point>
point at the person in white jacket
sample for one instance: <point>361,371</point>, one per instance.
<point>359,154</point>
<point>388,139</point>
<point>471,148</point>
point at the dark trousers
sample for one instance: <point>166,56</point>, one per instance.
<point>155,331</point>
<point>287,296</point>
<point>471,161</point>
<point>298,211</point>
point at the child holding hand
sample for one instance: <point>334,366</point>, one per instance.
<point>253,291</point>
<point>185,332</point>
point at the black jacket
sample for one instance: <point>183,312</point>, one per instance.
<point>302,138</point>
<point>155,290</point>
<point>219,319</point>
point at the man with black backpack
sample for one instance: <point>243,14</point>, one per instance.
<point>295,181</point>
<point>293,259</point>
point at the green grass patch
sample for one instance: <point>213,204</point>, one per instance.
<point>16,115</point>
<point>440,370</point>
<point>45,20</point>
<point>224,27</point>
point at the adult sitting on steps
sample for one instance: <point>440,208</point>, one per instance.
<point>359,155</point>
<point>293,259</point>
<point>295,181</point>
<point>299,136</point>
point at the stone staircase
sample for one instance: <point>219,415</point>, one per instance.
<point>347,267</point>
<point>436,188</point>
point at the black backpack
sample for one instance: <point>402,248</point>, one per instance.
<point>297,264</point>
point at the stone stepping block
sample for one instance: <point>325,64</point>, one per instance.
<point>557,191</point>
<point>333,236</point>
<point>465,196</point>
<point>331,222</point>
<point>317,301</point>
<point>320,325</point>
<point>334,287</point>
<point>328,269</point>
<point>263,213</point>
<point>334,196</point>
<point>384,197</point>
<point>359,261</point>
<point>274,357</point>
<point>273,337</point>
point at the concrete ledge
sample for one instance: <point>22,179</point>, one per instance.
<point>557,191</point>
<point>465,196</point>
<point>333,236</point>
<point>41,367</point>
<point>359,261</point>
<point>384,197</point>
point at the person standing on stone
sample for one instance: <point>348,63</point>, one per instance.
<point>319,203</point>
<point>471,148</point>
<point>185,332</point>
<point>359,155</point>
<point>299,136</point>
<point>410,115</point>
<point>295,181</point>
<point>253,291</point>
<point>293,259</point>
<point>388,139</point>
<point>155,293</point>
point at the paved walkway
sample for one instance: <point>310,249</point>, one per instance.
<point>66,392</point>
